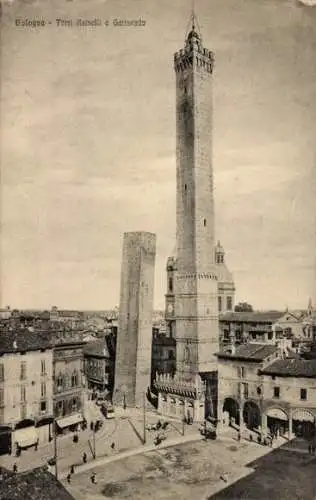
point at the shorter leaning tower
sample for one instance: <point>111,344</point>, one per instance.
<point>134,337</point>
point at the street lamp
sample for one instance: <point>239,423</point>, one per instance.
<point>55,448</point>
<point>144,415</point>
<point>124,392</point>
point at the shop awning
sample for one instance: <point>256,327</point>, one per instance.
<point>303,416</point>
<point>25,437</point>
<point>277,413</point>
<point>69,420</point>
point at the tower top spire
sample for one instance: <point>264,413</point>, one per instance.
<point>194,32</point>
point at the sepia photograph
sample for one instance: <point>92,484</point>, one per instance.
<point>157,249</point>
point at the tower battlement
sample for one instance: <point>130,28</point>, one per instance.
<point>194,52</point>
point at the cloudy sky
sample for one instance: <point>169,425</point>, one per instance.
<point>88,146</point>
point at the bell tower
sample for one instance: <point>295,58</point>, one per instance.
<point>196,284</point>
<point>192,393</point>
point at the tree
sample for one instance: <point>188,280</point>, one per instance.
<point>243,307</point>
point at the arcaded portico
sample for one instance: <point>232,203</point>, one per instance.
<point>261,389</point>
<point>180,399</point>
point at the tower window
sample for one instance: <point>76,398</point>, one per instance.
<point>185,187</point>
<point>186,355</point>
<point>185,89</point>
<point>219,304</point>
<point>204,222</point>
<point>170,285</point>
<point>229,303</point>
<point>276,392</point>
<point>303,394</point>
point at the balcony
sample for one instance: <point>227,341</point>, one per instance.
<point>65,391</point>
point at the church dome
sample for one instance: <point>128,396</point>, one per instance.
<point>223,274</point>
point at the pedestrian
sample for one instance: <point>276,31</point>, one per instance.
<point>238,436</point>
<point>72,469</point>
<point>309,449</point>
<point>91,426</point>
<point>36,445</point>
<point>313,448</point>
<point>113,446</point>
<point>93,478</point>
<point>15,467</point>
<point>68,478</point>
<point>84,458</point>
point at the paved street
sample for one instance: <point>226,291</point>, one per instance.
<point>183,467</point>
<point>126,431</point>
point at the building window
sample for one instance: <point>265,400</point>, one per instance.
<point>74,403</point>
<point>186,355</point>
<point>204,222</point>
<point>303,394</point>
<point>170,354</point>
<point>23,394</point>
<point>74,379</point>
<point>270,335</point>
<point>43,368</point>
<point>43,389</point>
<point>245,390</point>
<point>1,398</point>
<point>185,187</point>
<point>23,370</point>
<point>170,285</point>
<point>23,412</point>
<point>242,372</point>
<point>43,406</point>
<point>60,382</point>
<point>1,372</point>
<point>276,392</point>
<point>219,304</point>
<point>229,303</point>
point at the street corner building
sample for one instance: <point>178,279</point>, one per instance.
<point>26,389</point>
<point>192,307</point>
<point>134,338</point>
<point>267,389</point>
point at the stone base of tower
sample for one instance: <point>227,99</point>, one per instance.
<point>181,400</point>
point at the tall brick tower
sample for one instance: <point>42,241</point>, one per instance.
<point>196,284</point>
<point>134,338</point>
<point>196,289</point>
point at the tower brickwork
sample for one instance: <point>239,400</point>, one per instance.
<point>192,393</point>
<point>196,284</point>
<point>134,338</point>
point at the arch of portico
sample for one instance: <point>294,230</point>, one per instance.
<point>276,419</point>
<point>251,414</point>
<point>304,422</point>
<point>230,408</point>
